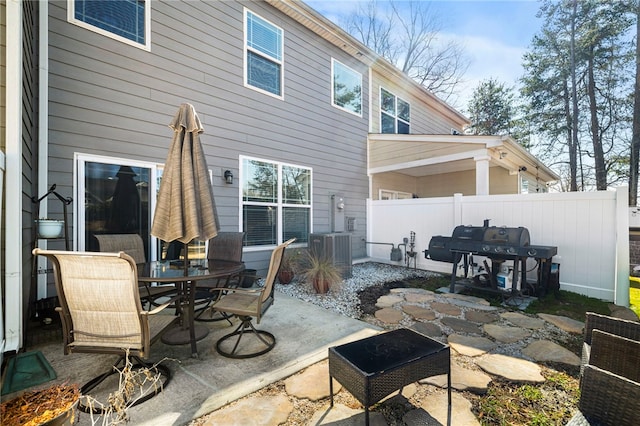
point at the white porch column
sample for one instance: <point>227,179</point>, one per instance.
<point>482,174</point>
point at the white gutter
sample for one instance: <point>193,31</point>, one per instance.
<point>13,239</point>
<point>43,133</point>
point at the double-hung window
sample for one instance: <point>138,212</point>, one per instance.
<point>276,202</point>
<point>395,113</point>
<point>263,54</point>
<point>124,20</point>
<point>346,92</point>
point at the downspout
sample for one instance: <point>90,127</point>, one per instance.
<point>43,131</point>
<point>368,231</point>
<point>13,208</point>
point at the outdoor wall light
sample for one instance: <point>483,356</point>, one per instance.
<point>228,176</point>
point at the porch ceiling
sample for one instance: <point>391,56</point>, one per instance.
<point>424,155</point>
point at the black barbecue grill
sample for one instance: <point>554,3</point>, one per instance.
<point>497,244</point>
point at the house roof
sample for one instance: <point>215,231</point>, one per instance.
<point>451,148</point>
<point>329,31</point>
<point>423,155</point>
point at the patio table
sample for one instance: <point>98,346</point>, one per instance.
<point>376,366</point>
<point>185,279</point>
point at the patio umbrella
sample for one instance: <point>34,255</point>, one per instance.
<point>125,203</point>
<point>185,209</point>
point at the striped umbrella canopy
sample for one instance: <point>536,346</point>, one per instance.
<point>185,208</point>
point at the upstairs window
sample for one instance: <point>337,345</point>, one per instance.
<point>124,20</point>
<point>395,114</point>
<point>346,93</point>
<point>276,202</point>
<point>263,54</point>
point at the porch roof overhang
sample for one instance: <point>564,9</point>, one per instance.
<point>424,155</point>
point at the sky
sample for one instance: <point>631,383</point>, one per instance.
<point>494,34</point>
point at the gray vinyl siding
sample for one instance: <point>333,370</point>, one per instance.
<point>29,147</point>
<point>109,98</point>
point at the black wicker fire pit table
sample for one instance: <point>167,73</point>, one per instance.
<point>376,366</point>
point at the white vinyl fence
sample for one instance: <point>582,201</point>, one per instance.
<point>590,229</point>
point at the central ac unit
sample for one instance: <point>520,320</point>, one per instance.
<point>336,247</point>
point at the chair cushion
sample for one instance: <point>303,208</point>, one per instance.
<point>239,303</point>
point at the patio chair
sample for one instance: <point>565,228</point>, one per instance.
<point>609,386</point>
<point>101,313</point>
<point>133,245</point>
<point>247,304</point>
<point>606,399</point>
<point>616,354</point>
<point>224,246</point>
<point>617,326</point>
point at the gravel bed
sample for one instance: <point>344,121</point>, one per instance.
<point>343,297</point>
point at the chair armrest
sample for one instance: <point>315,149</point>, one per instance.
<point>162,307</point>
<point>608,398</point>
<point>615,354</point>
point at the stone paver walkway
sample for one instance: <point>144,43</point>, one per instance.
<point>487,342</point>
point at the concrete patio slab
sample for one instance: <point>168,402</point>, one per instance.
<point>304,333</point>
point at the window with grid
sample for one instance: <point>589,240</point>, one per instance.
<point>125,20</point>
<point>276,202</point>
<point>263,54</point>
<point>395,114</point>
<point>346,93</point>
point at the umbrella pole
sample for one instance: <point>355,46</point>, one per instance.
<point>186,259</point>
<point>190,290</point>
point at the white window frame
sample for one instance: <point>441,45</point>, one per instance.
<point>79,161</point>
<point>279,205</point>
<point>71,9</point>
<point>333,101</point>
<point>387,194</point>
<point>262,54</point>
<point>395,116</point>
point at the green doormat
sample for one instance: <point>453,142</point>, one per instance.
<point>25,370</point>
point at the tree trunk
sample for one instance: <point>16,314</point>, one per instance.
<point>635,140</point>
<point>573,145</point>
<point>598,153</point>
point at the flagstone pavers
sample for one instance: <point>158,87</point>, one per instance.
<point>460,325</point>
<point>479,329</point>
<point>342,415</point>
<point>427,328</point>
<point>258,410</point>
<point>312,383</point>
<point>471,345</point>
<point>564,323</point>
<point>389,300</point>
<point>436,405</point>
<point>419,312</point>
<point>446,309</point>
<point>462,379</point>
<point>481,316</point>
<point>506,334</point>
<point>546,350</point>
<point>389,315</point>
<point>510,368</point>
<point>522,320</point>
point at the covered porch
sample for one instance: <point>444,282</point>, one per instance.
<point>424,166</point>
